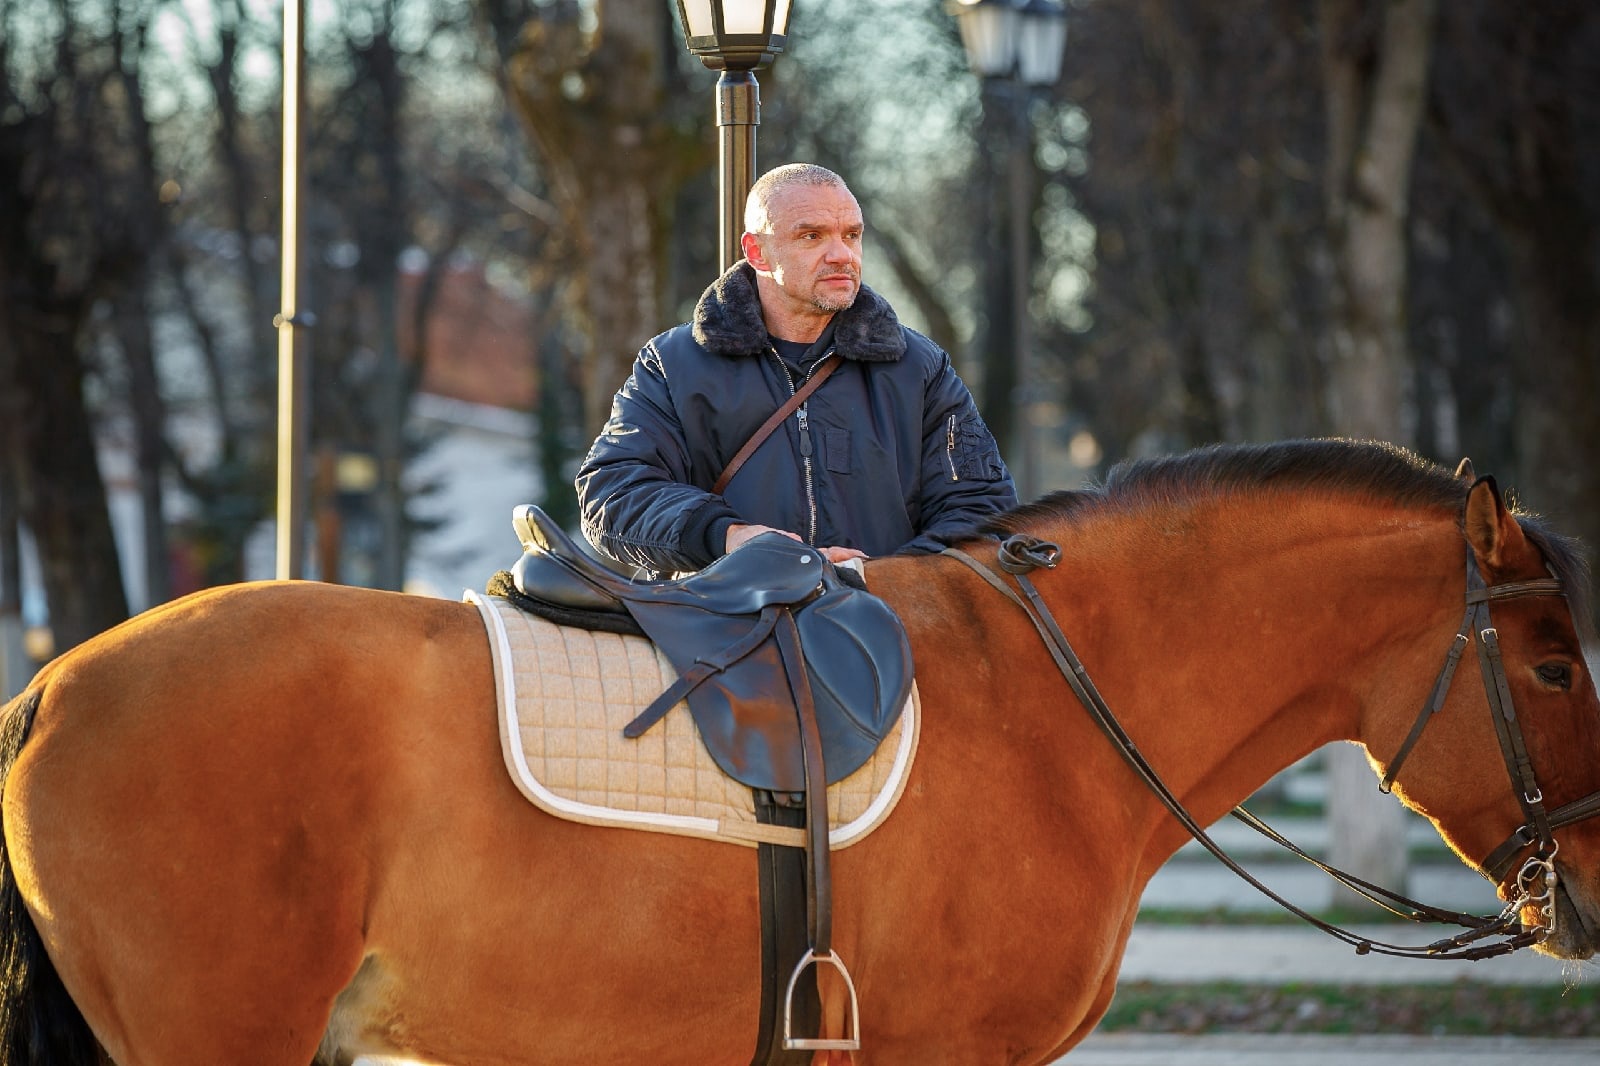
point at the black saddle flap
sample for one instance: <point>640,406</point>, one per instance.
<point>857,658</point>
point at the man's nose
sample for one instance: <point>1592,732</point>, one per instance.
<point>839,251</point>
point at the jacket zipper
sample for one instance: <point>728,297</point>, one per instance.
<point>806,447</point>
<point>950,449</point>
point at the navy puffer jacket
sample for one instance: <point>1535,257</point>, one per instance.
<point>888,455</point>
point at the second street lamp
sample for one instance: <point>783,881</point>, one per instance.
<point>736,37</point>
<point>1016,47</point>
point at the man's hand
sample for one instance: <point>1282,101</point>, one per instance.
<point>738,533</point>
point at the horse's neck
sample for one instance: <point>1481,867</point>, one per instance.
<point>1225,654</point>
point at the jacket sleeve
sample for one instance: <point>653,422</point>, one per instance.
<point>964,480</point>
<point>635,495</point>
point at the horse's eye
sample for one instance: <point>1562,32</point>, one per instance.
<point>1556,675</point>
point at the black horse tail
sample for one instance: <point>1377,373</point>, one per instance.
<point>39,1023</point>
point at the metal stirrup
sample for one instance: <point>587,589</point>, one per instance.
<point>794,1043</point>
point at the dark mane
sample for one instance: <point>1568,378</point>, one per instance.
<point>1367,468</point>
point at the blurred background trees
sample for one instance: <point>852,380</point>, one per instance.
<point>1251,220</point>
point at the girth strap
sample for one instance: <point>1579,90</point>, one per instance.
<point>782,896</point>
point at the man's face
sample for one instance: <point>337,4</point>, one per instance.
<point>812,250</point>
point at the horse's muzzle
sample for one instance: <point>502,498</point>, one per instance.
<point>1577,927</point>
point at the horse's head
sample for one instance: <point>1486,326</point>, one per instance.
<point>1510,772</point>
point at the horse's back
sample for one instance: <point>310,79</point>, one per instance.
<point>201,786</point>
<point>292,796</point>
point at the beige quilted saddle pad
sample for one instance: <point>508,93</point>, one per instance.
<point>564,696</point>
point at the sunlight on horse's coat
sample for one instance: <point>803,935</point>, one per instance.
<point>255,793</point>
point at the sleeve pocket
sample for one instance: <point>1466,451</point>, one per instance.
<point>973,452</point>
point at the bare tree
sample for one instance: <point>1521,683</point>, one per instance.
<point>1520,146</point>
<point>1197,183</point>
<point>615,137</point>
<point>1374,67</point>
<point>66,231</point>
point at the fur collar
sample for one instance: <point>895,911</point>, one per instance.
<point>728,321</point>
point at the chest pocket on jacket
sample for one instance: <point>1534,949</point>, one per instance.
<point>836,450</point>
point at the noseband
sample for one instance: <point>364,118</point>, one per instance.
<point>1021,553</point>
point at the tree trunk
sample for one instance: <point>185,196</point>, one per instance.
<point>149,421</point>
<point>15,670</point>
<point>1520,149</point>
<point>62,494</point>
<point>48,440</point>
<point>597,107</point>
<point>1558,301</point>
<point>1374,112</point>
<point>1373,122</point>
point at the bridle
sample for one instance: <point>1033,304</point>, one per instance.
<point>1539,824</point>
<point>1536,881</point>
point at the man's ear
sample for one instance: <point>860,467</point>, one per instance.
<point>750,244</point>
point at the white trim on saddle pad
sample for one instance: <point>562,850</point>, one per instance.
<point>564,695</point>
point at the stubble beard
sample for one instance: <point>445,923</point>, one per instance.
<point>832,304</point>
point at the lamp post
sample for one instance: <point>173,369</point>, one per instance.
<point>1016,47</point>
<point>291,322</point>
<point>736,37</point>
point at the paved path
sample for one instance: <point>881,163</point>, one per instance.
<point>1161,1049</point>
<point>1140,1049</point>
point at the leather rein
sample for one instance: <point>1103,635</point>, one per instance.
<point>1022,553</point>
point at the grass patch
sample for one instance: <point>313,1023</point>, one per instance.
<point>1460,1009</point>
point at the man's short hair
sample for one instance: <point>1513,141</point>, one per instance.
<point>774,182</point>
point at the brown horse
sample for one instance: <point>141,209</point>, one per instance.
<point>271,822</point>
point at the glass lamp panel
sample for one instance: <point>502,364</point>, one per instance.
<point>780,18</point>
<point>748,17</point>
<point>697,20</point>
<point>1043,40</point>
<point>989,34</point>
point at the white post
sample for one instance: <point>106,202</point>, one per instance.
<point>292,325</point>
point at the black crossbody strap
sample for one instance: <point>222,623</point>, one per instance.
<point>810,385</point>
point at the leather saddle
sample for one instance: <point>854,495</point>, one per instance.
<point>793,677</point>
<point>719,628</point>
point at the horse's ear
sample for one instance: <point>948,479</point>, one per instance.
<point>1464,471</point>
<point>1493,534</point>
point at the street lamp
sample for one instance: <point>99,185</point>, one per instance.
<point>735,37</point>
<point>1016,47</point>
